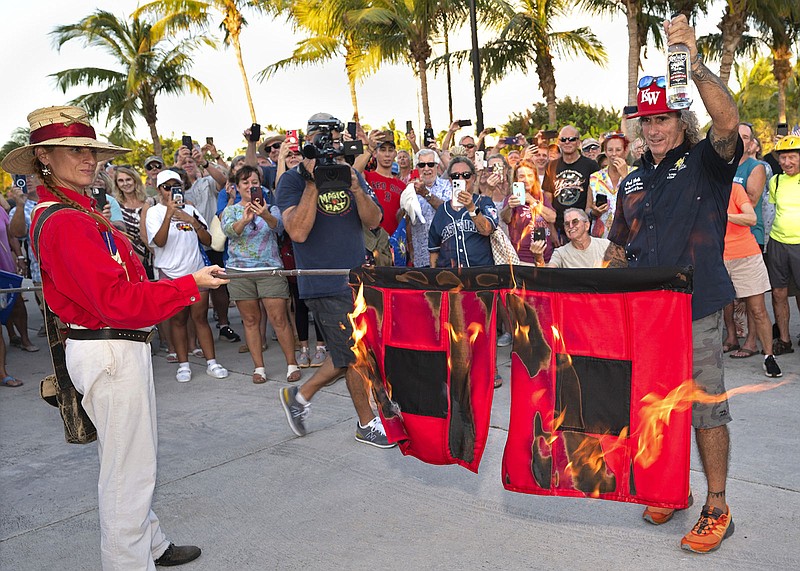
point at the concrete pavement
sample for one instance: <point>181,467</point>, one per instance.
<point>233,479</point>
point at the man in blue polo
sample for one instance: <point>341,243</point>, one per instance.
<point>672,212</point>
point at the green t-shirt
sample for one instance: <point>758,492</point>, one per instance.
<point>784,193</point>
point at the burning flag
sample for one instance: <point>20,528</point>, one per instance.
<point>583,368</point>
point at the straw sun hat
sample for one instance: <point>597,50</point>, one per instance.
<point>63,126</point>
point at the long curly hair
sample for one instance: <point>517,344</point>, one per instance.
<point>691,128</point>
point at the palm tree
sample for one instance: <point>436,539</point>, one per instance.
<point>780,30</point>
<point>644,20</point>
<point>527,39</point>
<point>19,138</point>
<point>405,31</point>
<point>149,66</point>
<point>332,34</point>
<point>178,15</point>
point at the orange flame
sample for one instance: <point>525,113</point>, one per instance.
<point>656,413</point>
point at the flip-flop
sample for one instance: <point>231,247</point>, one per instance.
<point>743,353</point>
<point>29,348</point>
<point>10,381</point>
<point>727,348</point>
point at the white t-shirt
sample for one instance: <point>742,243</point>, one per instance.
<point>180,255</point>
<point>568,256</point>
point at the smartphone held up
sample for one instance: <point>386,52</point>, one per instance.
<point>459,185</point>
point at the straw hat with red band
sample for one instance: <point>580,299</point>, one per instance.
<point>61,126</point>
<point>652,98</point>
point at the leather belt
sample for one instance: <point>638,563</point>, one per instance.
<point>124,334</point>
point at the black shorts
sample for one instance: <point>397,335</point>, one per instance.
<point>783,263</point>
<point>215,258</point>
<point>331,314</point>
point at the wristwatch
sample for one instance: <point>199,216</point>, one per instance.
<point>474,213</point>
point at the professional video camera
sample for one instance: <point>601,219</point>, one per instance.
<point>328,173</point>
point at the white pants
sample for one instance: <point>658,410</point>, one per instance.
<point>116,379</point>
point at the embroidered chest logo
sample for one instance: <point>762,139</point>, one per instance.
<point>633,185</point>
<point>679,165</point>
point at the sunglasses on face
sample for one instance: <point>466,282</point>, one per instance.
<point>457,175</point>
<point>649,80</point>
<point>469,145</point>
<point>573,222</point>
<point>569,139</point>
<point>152,166</point>
<point>423,165</point>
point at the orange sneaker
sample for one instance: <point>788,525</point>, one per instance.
<point>657,516</point>
<point>708,533</point>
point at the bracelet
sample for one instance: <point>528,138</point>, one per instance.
<point>20,257</point>
<point>697,59</point>
<point>205,166</point>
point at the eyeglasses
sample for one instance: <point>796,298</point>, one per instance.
<point>569,139</point>
<point>470,145</point>
<point>573,222</point>
<point>152,166</point>
<point>423,165</point>
<point>649,80</point>
<point>457,175</point>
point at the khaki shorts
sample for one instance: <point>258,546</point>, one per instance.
<point>256,288</point>
<point>708,372</point>
<point>749,275</point>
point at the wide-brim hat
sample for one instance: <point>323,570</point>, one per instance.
<point>60,126</point>
<point>268,142</point>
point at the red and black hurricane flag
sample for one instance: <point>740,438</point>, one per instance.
<point>584,364</point>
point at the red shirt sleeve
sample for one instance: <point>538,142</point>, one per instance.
<point>84,285</point>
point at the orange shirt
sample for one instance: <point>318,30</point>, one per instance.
<point>739,241</point>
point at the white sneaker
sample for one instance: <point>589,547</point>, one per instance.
<point>183,375</point>
<point>217,371</point>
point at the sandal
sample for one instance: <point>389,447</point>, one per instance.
<point>780,347</point>
<point>197,352</point>
<point>243,348</point>
<point>10,381</point>
<point>498,381</point>
<point>172,357</point>
<point>743,353</point>
<point>29,348</point>
<point>293,374</point>
<point>259,376</point>
<point>728,347</point>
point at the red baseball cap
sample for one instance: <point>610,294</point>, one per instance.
<point>652,97</point>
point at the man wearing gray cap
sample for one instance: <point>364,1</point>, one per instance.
<point>152,166</point>
<point>590,148</point>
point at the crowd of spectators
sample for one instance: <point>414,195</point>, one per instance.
<point>554,198</point>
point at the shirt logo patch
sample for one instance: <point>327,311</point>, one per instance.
<point>679,165</point>
<point>634,185</point>
<point>334,202</point>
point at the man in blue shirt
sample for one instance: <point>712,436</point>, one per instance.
<point>325,226</point>
<point>672,211</point>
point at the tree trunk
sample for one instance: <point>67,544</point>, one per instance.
<point>447,67</point>
<point>150,114</point>
<point>422,67</point>
<point>547,83</point>
<point>238,49</point>
<point>782,70</point>
<point>351,82</point>
<point>732,26</point>
<point>632,9</point>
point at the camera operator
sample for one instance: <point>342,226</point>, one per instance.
<point>323,215</point>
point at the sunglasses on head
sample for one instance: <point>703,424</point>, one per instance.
<point>423,165</point>
<point>569,139</point>
<point>614,135</point>
<point>457,175</point>
<point>152,166</point>
<point>649,80</point>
